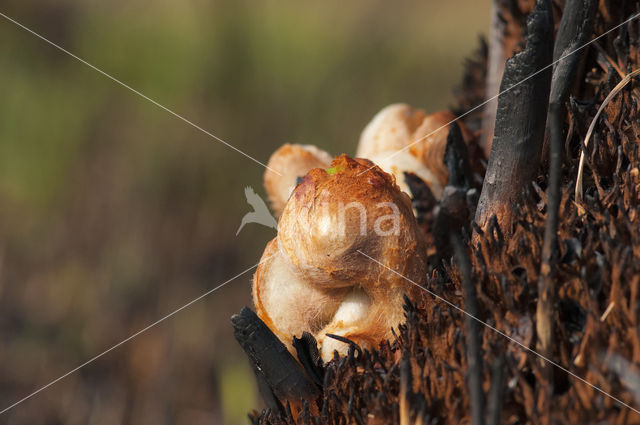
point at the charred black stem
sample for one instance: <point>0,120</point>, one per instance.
<point>274,366</point>
<point>309,357</point>
<point>506,32</point>
<point>474,341</point>
<point>405,388</point>
<point>452,213</point>
<point>496,393</point>
<point>520,121</point>
<point>546,290</point>
<point>574,30</point>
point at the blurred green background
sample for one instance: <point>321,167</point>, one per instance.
<point>114,213</point>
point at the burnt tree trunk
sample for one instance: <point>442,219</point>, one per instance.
<point>520,122</point>
<point>505,36</point>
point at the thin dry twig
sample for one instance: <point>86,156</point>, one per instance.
<point>611,95</point>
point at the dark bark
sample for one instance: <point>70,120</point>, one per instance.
<point>309,357</point>
<point>520,121</point>
<point>451,218</point>
<point>496,393</point>
<point>474,333</point>
<point>275,368</point>
<point>505,35</point>
<point>452,214</point>
<point>573,33</point>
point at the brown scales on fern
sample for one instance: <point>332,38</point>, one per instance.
<point>443,366</point>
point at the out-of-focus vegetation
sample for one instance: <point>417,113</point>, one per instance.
<point>113,212</point>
